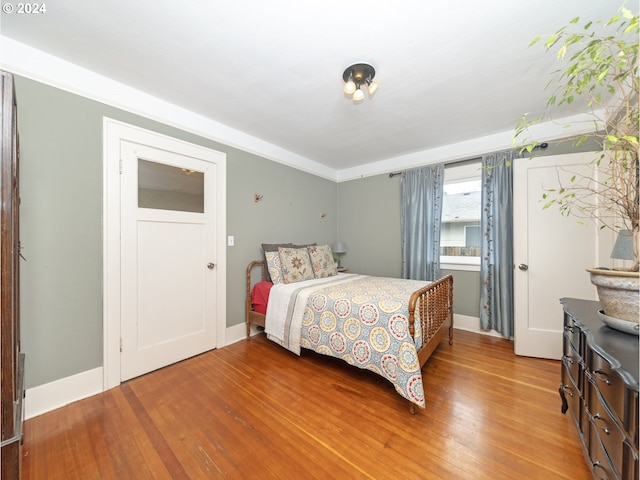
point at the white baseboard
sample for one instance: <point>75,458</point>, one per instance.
<point>47,397</point>
<point>56,394</point>
<point>472,324</point>
<point>239,332</point>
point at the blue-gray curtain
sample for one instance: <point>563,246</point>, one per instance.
<point>421,203</point>
<point>496,270</point>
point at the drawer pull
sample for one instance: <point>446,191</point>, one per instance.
<point>568,359</point>
<point>567,390</point>
<point>606,430</point>
<point>604,376</point>
<point>568,328</point>
<point>596,465</point>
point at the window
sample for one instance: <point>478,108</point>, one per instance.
<point>461,212</point>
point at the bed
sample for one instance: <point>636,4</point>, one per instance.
<point>389,326</point>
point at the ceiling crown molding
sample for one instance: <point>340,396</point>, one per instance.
<point>37,65</point>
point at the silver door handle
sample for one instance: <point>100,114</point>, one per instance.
<point>523,267</point>
<point>211,266</point>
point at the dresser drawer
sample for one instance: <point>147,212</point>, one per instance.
<point>629,463</point>
<point>572,396</point>
<point>608,382</point>
<point>605,427</point>
<point>572,362</point>
<point>572,333</point>
<point>600,463</point>
<point>631,416</point>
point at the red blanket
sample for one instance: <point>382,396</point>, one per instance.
<point>260,296</point>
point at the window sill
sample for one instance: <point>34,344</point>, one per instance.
<point>468,264</point>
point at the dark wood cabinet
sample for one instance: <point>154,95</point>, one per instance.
<point>599,389</point>
<point>11,389</point>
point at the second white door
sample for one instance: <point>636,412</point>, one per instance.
<point>551,253</point>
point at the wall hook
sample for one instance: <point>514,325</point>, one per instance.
<point>257,197</point>
<point>322,215</point>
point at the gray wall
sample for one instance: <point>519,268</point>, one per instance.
<point>61,223</point>
<point>369,223</point>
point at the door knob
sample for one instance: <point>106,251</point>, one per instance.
<point>211,266</point>
<point>523,267</point>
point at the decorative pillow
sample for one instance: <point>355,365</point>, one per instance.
<point>296,264</point>
<point>275,262</point>
<point>274,267</point>
<point>322,261</point>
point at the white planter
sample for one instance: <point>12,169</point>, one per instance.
<point>619,293</point>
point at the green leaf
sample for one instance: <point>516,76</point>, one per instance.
<point>550,41</point>
<point>562,52</point>
<point>603,74</point>
<point>613,20</point>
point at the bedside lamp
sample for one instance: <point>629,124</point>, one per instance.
<point>339,248</point>
<point>623,248</point>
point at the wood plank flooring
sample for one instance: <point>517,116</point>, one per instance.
<point>255,411</point>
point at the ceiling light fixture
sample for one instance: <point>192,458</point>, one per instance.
<point>357,75</point>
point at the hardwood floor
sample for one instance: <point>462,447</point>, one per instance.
<point>253,410</point>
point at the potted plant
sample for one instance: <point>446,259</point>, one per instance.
<point>601,70</point>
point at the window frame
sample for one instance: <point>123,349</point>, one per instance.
<point>461,172</point>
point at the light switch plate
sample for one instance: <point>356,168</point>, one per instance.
<point>231,241</point>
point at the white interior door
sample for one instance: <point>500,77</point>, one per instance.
<point>168,257</point>
<point>551,253</point>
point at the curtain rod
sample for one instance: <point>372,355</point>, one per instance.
<point>468,160</point>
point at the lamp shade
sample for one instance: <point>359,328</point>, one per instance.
<point>623,248</point>
<point>339,247</point>
<point>349,87</point>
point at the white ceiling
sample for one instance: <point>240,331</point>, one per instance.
<point>448,71</point>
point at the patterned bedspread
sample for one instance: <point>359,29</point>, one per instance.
<point>360,319</point>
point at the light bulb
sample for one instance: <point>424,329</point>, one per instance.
<point>349,87</point>
<point>358,95</point>
<point>373,86</point>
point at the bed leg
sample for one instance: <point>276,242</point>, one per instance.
<point>412,409</point>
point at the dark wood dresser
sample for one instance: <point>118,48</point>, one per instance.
<point>12,363</point>
<point>600,389</point>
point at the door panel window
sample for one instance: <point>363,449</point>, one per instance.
<point>166,187</point>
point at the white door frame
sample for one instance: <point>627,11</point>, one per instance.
<point>113,133</point>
